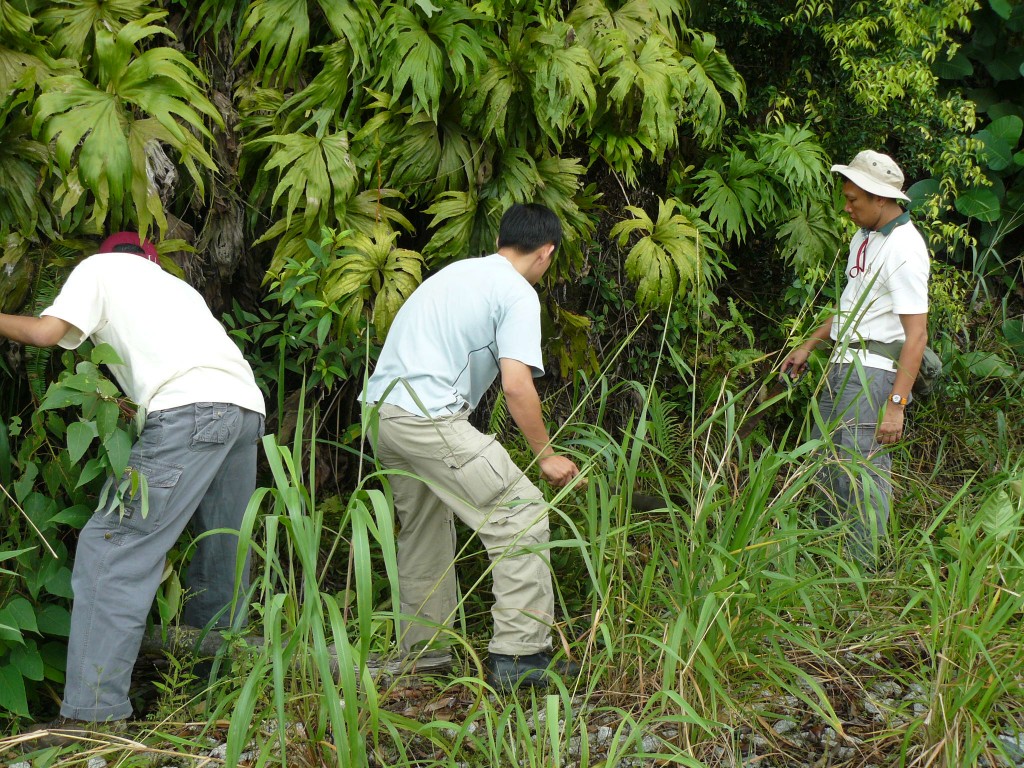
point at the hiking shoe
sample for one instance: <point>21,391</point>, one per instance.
<point>536,670</point>
<point>64,732</point>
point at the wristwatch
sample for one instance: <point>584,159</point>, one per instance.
<point>899,400</point>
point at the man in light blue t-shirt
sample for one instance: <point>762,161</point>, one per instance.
<point>459,330</point>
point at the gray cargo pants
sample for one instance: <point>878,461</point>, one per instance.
<point>456,470</point>
<point>857,472</point>
<point>199,462</point>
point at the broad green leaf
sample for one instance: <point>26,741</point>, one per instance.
<point>316,171</point>
<point>118,447</point>
<point>72,26</point>
<point>1002,7</point>
<point>1013,330</point>
<point>981,204</point>
<point>735,193</point>
<point>1008,128</point>
<point>666,261</point>
<point>809,237</point>
<point>562,84</point>
<point>19,613</point>
<point>374,273</point>
<point>12,691</point>
<point>1000,514</point>
<point>987,365</point>
<point>279,29</point>
<point>708,72</point>
<point>79,437</point>
<point>26,659</point>
<point>795,155</point>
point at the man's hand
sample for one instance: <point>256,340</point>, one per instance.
<point>558,470</point>
<point>795,363</point>
<point>891,429</point>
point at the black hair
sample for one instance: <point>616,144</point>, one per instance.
<point>138,250</point>
<point>525,227</point>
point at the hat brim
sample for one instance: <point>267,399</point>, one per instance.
<point>869,184</point>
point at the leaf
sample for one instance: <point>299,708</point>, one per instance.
<point>12,691</point>
<point>80,435</point>
<point>999,514</point>
<point>118,447</point>
<point>655,77</point>
<point>981,204</point>
<point>72,25</point>
<point>733,192</point>
<point>987,365</point>
<point>1002,7</point>
<point>794,155</point>
<point>373,272</point>
<point>54,620</point>
<point>26,659</point>
<point>708,71</point>
<point>666,261</point>
<point>562,83</point>
<point>1013,331</point>
<point>808,237</point>
<point>316,171</point>
<point>19,613</point>
<point>280,30</point>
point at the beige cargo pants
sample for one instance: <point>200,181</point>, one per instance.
<point>453,469</point>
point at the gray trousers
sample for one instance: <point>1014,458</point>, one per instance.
<point>456,470</point>
<point>199,462</point>
<point>857,472</point>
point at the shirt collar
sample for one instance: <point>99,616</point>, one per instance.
<point>903,218</point>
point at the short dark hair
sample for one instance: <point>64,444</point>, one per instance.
<point>138,250</point>
<point>525,227</point>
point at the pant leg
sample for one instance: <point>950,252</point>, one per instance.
<point>427,583</point>
<point>476,479</point>
<point>857,474</point>
<point>211,573</point>
<point>121,553</point>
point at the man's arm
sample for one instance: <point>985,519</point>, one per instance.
<point>524,405</point>
<point>796,362</point>
<point>38,331</point>
<point>890,430</point>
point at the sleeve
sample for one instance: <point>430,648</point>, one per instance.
<point>81,303</point>
<point>908,276</point>
<point>517,335</point>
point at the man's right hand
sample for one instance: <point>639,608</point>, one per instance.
<point>558,470</point>
<point>795,363</point>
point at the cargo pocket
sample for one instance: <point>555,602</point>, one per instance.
<point>143,509</point>
<point>486,475</point>
<point>214,422</point>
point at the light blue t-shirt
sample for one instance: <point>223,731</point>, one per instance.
<point>447,338</point>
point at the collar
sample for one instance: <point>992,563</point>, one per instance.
<point>903,218</point>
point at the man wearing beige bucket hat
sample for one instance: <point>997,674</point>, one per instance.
<point>879,333</point>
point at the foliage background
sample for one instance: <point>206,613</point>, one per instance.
<point>306,164</point>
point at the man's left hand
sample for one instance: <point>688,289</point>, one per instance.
<point>891,429</point>
<point>558,470</point>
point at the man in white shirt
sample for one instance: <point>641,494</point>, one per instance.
<point>884,304</point>
<point>473,320</point>
<point>197,455</point>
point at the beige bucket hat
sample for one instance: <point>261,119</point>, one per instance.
<point>875,173</point>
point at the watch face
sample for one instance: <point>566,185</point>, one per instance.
<point>898,399</point>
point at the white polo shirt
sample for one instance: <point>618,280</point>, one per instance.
<point>894,282</point>
<point>174,352</point>
<point>442,350</point>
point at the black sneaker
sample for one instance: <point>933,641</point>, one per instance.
<point>505,672</point>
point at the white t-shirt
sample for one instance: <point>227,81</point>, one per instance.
<point>173,349</point>
<point>894,282</point>
<point>448,337</point>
